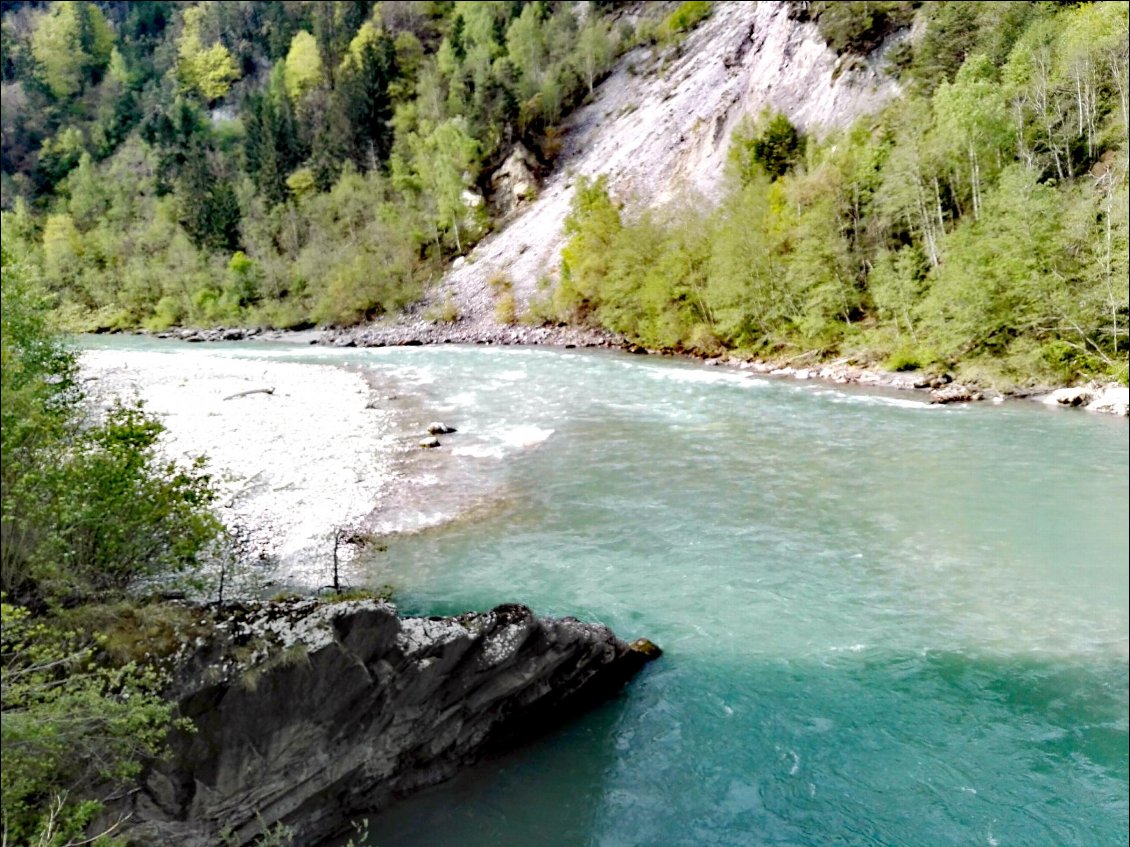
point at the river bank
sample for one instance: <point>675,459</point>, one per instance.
<point>306,713</point>
<point>941,387</point>
<point>296,451</point>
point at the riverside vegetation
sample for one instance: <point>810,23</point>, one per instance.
<point>272,163</point>
<point>89,510</point>
<point>286,164</point>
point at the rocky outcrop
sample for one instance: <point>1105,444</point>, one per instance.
<point>1112,400</point>
<point>659,129</point>
<point>309,712</point>
<point>514,181</point>
<point>1094,397</point>
<point>1073,396</point>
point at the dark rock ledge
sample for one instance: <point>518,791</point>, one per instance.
<point>308,713</point>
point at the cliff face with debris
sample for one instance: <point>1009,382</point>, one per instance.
<point>659,129</point>
<point>308,713</point>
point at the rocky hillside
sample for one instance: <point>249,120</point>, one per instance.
<point>660,125</point>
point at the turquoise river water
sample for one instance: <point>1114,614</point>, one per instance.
<point>884,623</point>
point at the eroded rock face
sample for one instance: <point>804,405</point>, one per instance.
<point>514,180</point>
<point>307,713</point>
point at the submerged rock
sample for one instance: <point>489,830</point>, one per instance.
<point>647,648</point>
<point>308,713</point>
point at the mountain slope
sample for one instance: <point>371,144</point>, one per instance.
<point>660,124</point>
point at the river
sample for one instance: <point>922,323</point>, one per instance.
<point>884,622</point>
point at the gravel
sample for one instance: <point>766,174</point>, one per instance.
<point>291,466</point>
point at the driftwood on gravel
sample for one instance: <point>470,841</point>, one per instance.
<point>268,390</point>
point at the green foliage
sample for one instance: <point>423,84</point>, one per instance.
<point>506,308</point>
<point>113,134</point>
<point>209,209</point>
<point>272,148</point>
<point>772,144</point>
<point>61,153</point>
<point>71,45</point>
<point>904,359</point>
<point>207,70</point>
<point>856,26</point>
<point>445,312</point>
<point>686,17</point>
<point>358,163</point>
<point>71,727</point>
<point>956,30</point>
<point>88,508</point>
<point>303,65</point>
<point>643,279</point>
<point>953,230</point>
<point>302,184</point>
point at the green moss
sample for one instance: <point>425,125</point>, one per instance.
<point>129,631</point>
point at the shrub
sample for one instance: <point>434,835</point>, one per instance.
<point>449,312</point>
<point>506,309</point>
<point>166,313</point>
<point>88,508</point>
<point>686,17</point>
<point>772,145</point>
<point>904,359</point>
<point>499,283</point>
<point>71,727</point>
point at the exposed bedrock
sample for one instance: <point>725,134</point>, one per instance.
<point>307,713</point>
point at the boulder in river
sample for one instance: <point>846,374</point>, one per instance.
<point>1111,399</point>
<point>1079,395</point>
<point>429,442</point>
<point>437,428</point>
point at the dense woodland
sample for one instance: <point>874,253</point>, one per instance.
<point>276,163</point>
<point>292,163</point>
<point>979,222</point>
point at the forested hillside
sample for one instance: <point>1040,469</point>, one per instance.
<point>292,163</point>
<point>271,162</point>
<point>979,222</point>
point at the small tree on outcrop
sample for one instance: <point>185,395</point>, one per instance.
<point>772,145</point>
